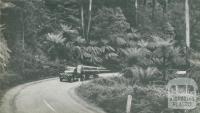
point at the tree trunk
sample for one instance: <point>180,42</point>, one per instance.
<point>164,65</point>
<point>0,16</point>
<point>89,20</point>
<point>153,8</point>
<point>82,22</point>
<point>187,21</point>
<point>23,42</point>
<point>165,8</point>
<point>145,3</point>
<point>136,16</point>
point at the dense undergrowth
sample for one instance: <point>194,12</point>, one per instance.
<point>111,95</point>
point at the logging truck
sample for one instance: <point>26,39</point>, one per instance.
<point>81,72</point>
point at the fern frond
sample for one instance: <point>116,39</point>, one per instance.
<point>135,52</point>
<point>55,38</point>
<point>80,40</point>
<point>107,48</point>
<point>68,29</point>
<point>111,55</point>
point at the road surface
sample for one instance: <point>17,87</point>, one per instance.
<point>46,96</point>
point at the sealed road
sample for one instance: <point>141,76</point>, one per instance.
<point>46,96</point>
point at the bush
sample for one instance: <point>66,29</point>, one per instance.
<point>111,81</point>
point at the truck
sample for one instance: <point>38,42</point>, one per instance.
<point>81,72</point>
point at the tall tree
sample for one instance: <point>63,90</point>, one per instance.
<point>89,20</point>
<point>165,8</point>
<point>136,11</point>
<point>187,22</point>
<point>153,8</point>
<point>145,2</point>
<point>83,21</point>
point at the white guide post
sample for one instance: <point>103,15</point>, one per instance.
<point>128,105</point>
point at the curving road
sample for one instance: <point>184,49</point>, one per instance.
<point>46,96</point>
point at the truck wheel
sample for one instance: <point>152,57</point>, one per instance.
<point>61,79</point>
<point>72,80</point>
<point>96,76</point>
<point>83,77</point>
<point>69,80</point>
<point>87,77</point>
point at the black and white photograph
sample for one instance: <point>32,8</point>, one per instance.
<point>99,56</point>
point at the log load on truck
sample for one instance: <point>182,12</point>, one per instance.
<point>81,72</point>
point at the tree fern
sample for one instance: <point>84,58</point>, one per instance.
<point>142,75</point>
<point>135,52</point>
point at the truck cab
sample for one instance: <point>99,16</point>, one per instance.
<point>68,74</point>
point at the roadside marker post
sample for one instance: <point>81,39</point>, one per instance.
<point>128,105</point>
<point>80,82</point>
